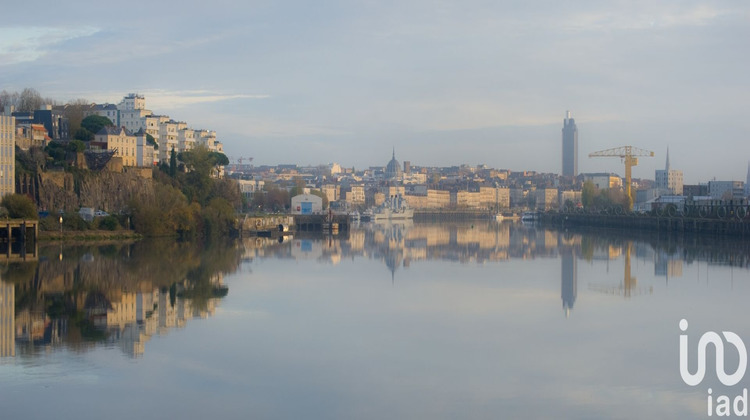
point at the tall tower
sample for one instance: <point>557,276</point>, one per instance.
<point>569,146</point>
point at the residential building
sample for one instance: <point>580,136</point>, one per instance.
<point>495,198</point>
<point>108,111</point>
<point>569,147</point>
<point>7,155</point>
<point>331,191</point>
<point>546,199</point>
<point>185,139</point>
<point>604,181</point>
<point>726,190</point>
<point>119,139</point>
<point>356,194</point>
<point>31,135</point>
<point>145,153</point>
<point>669,179</point>
<point>168,138</point>
<point>54,121</point>
<point>700,190</point>
<point>248,188</point>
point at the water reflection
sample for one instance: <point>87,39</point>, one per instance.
<point>118,295</point>
<point>398,245</point>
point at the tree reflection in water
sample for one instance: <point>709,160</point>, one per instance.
<point>119,294</point>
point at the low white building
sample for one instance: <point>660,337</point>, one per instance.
<point>307,204</point>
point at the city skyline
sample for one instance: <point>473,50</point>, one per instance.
<point>446,84</point>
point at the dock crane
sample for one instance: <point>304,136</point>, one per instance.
<point>630,154</point>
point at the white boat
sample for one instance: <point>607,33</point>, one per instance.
<point>394,208</point>
<point>530,216</point>
<point>499,217</point>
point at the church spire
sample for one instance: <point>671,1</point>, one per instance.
<point>667,168</point>
<point>394,152</point>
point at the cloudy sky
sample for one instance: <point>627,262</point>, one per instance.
<point>444,82</point>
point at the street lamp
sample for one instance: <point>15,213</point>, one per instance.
<point>61,226</point>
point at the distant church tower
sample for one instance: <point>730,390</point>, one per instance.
<point>569,147</point>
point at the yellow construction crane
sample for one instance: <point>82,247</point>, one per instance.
<point>629,154</point>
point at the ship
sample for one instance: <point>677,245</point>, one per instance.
<point>394,208</point>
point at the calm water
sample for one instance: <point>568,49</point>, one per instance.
<point>391,321</point>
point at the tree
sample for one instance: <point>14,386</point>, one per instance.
<point>588,193</point>
<point>94,123</point>
<point>321,195</point>
<point>220,159</point>
<point>76,146</point>
<point>20,206</point>
<point>152,141</point>
<point>83,135</point>
<point>29,100</point>
<point>74,112</point>
<point>228,189</point>
<point>173,163</point>
<point>299,187</point>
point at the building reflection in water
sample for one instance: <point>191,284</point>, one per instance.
<point>568,280</point>
<point>7,319</point>
<point>398,245</point>
<point>113,295</point>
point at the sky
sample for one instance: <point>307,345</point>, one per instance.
<point>443,82</point>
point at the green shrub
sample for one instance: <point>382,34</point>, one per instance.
<point>20,207</point>
<point>109,223</point>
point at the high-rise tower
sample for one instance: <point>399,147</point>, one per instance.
<point>569,147</point>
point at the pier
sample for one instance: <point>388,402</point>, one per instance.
<point>18,240</point>
<point>279,225</point>
<point>322,222</point>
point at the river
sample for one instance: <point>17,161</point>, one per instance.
<point>402,321</point>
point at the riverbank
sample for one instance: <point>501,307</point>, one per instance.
<point>87,235</point>
<point>738,228</point>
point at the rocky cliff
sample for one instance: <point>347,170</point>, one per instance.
<point>108,191</point>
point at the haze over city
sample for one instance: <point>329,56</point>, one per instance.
<point>444,83</point>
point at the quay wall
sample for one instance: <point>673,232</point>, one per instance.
<point>685,225</point>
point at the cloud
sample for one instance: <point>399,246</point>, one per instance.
<point>23,44</point>
<point>644,18</point>
<point>160,99</point>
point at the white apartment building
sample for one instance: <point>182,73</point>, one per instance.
<point>7,155</point>
<point>104,110</point>
<point>131,113</point>
<point>145,153</point>
<point>185,139</point>
<point>168,138</point>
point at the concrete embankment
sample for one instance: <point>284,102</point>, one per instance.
<point>449,215</point>
<point>684,225</point>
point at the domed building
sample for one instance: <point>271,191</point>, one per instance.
<point>393,169</point>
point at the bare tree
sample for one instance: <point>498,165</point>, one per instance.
<point>74,111</point>
<point>8,99</point>
<point>29,100</point>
